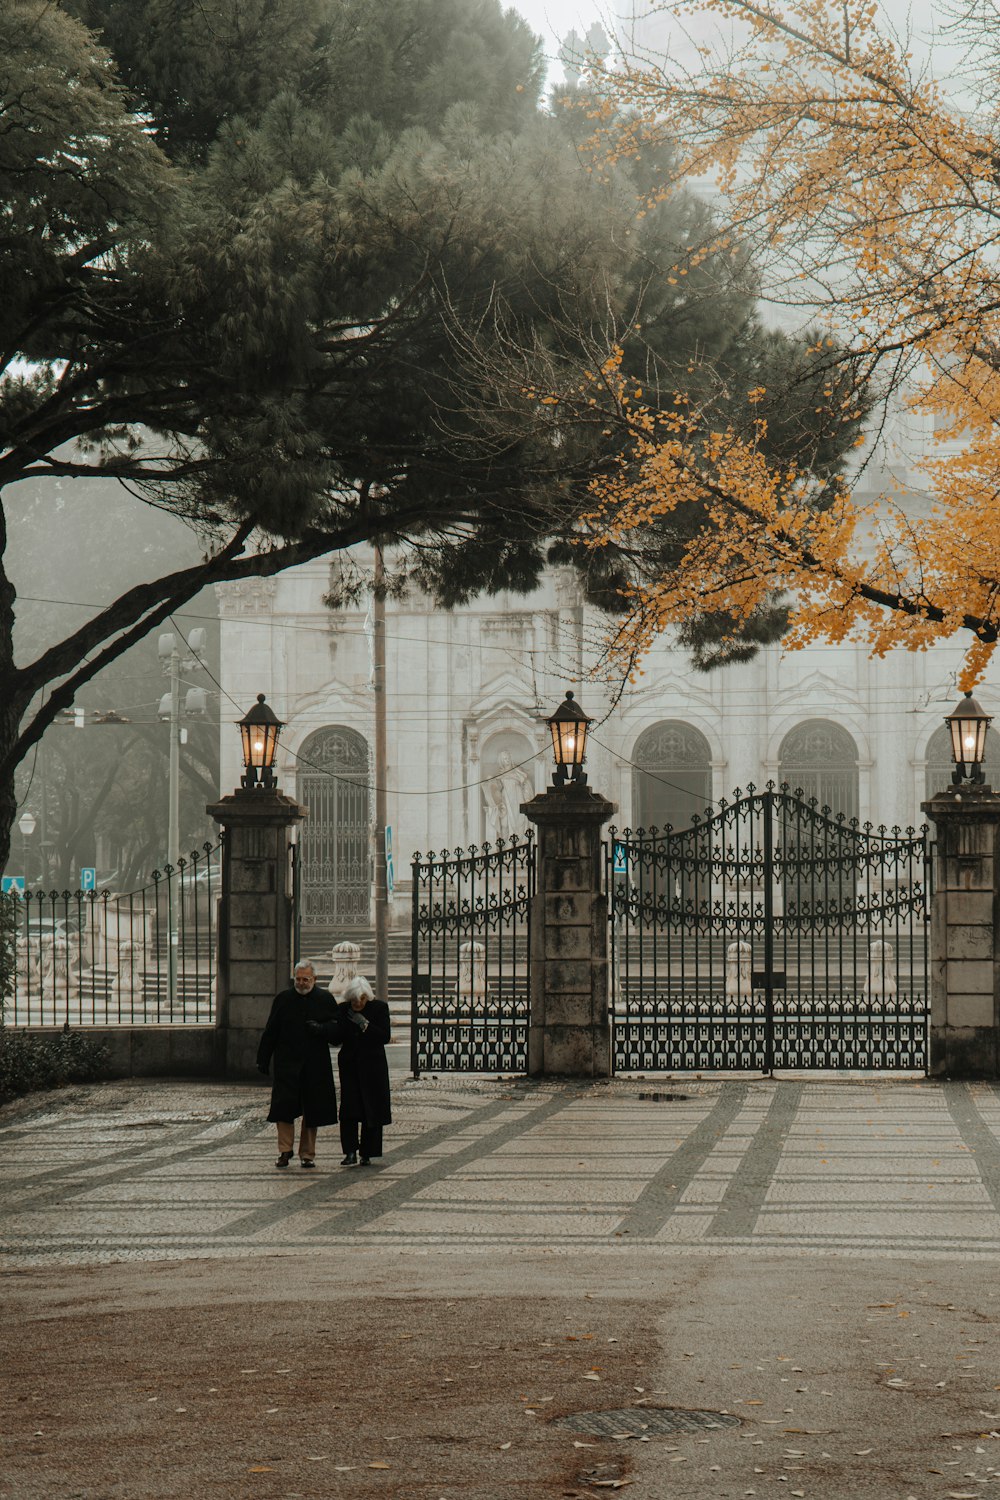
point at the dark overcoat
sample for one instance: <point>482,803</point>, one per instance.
<point>302,1073</point>
<point>362,1064</point>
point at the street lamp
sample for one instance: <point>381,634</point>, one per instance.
<point>569,726</point>
<point>259,730</point>
<point>26,823</point>
<point>968,724</point>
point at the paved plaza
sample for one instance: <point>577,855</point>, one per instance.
<point>811,1263</point>
<point>156,1171</point>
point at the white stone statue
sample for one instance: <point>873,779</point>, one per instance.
<point>739,976</point>
<point>880,984</point>
<point>505,791</point>
<point>126,963</point>
<point>472,971</point>
<point>346,957</point>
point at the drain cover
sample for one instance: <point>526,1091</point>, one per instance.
<point>645,1421</point>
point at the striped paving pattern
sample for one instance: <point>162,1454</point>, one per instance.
<point>149,1171</point>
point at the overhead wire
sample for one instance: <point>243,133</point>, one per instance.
<point>350,781</point>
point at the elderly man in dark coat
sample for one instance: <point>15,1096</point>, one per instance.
<point>303,1074</point>
<point>362,1028</point>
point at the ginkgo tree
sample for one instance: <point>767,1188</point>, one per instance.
<point>871,198</point>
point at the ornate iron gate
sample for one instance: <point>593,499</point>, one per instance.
<point>335,868</point>
<point>769,934</point>
<point>470,958</point>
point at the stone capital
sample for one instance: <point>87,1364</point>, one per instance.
<point>568,804</point>
<point>256,809</point>
<point>963,804</point>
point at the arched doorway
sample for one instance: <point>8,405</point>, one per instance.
<point>820,759</point>
<point>335,872</point>
<point>671,776</point>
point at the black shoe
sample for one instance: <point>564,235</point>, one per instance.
<point>307,1161</point>
<point>350,1160</point>
<point>364,1162</point>
<point>284,1158</point>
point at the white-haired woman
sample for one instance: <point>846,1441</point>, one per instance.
<point>362,1028</point>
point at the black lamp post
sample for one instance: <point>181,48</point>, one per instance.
<point>968,724</point>
<point>259,731</point>
<point>569,725</point>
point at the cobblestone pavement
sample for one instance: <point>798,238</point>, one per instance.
<point>172,1170</point>
<point>807,1266</point>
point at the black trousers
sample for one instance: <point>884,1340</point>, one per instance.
<point>371,1138</point>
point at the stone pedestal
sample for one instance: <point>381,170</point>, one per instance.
<point>569,1030</point>
<point>255,920</point>
<point>964,936</point>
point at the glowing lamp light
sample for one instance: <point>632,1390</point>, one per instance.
<point>259,730</point>
<point>967,724</point>
<point>568,727</point>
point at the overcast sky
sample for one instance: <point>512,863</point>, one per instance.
<point>553,19</point>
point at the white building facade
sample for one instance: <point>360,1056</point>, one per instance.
<point>467,692</point>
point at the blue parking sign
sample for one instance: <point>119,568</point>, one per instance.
<point>88,878</point>
<point>12,885</point>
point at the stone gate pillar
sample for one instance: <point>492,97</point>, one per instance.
<point>255,920</point>
<point>569,1029</point>
<point>964,936</point>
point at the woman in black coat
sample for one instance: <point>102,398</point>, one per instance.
<point>362,1028</point>
<point>303,1075</point>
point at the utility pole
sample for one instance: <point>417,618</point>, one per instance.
<point>172,666</point>
<point>172,663</point>
<point>381,874</point>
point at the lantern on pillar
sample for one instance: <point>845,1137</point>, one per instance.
<point>259,731</point>
<point>968,724</point>
<point>568,726</point>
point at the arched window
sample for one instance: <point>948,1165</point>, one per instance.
<point>820,759</point>
<point>672,775</point>
<point>335,843</point>
<point>939,764</point>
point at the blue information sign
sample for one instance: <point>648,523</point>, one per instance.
<point>620,863</point>
<point>390,875</point>
<point>10,884</point>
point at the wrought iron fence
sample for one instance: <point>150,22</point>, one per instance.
<point>97,958</point>
<point>770,934</point>
<point>470,958</point>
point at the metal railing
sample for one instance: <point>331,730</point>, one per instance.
<point>470,967</point>
<point>144,958</point>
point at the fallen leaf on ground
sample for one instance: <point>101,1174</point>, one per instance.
<point>379,1465</point>
<point>261,1469</point>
